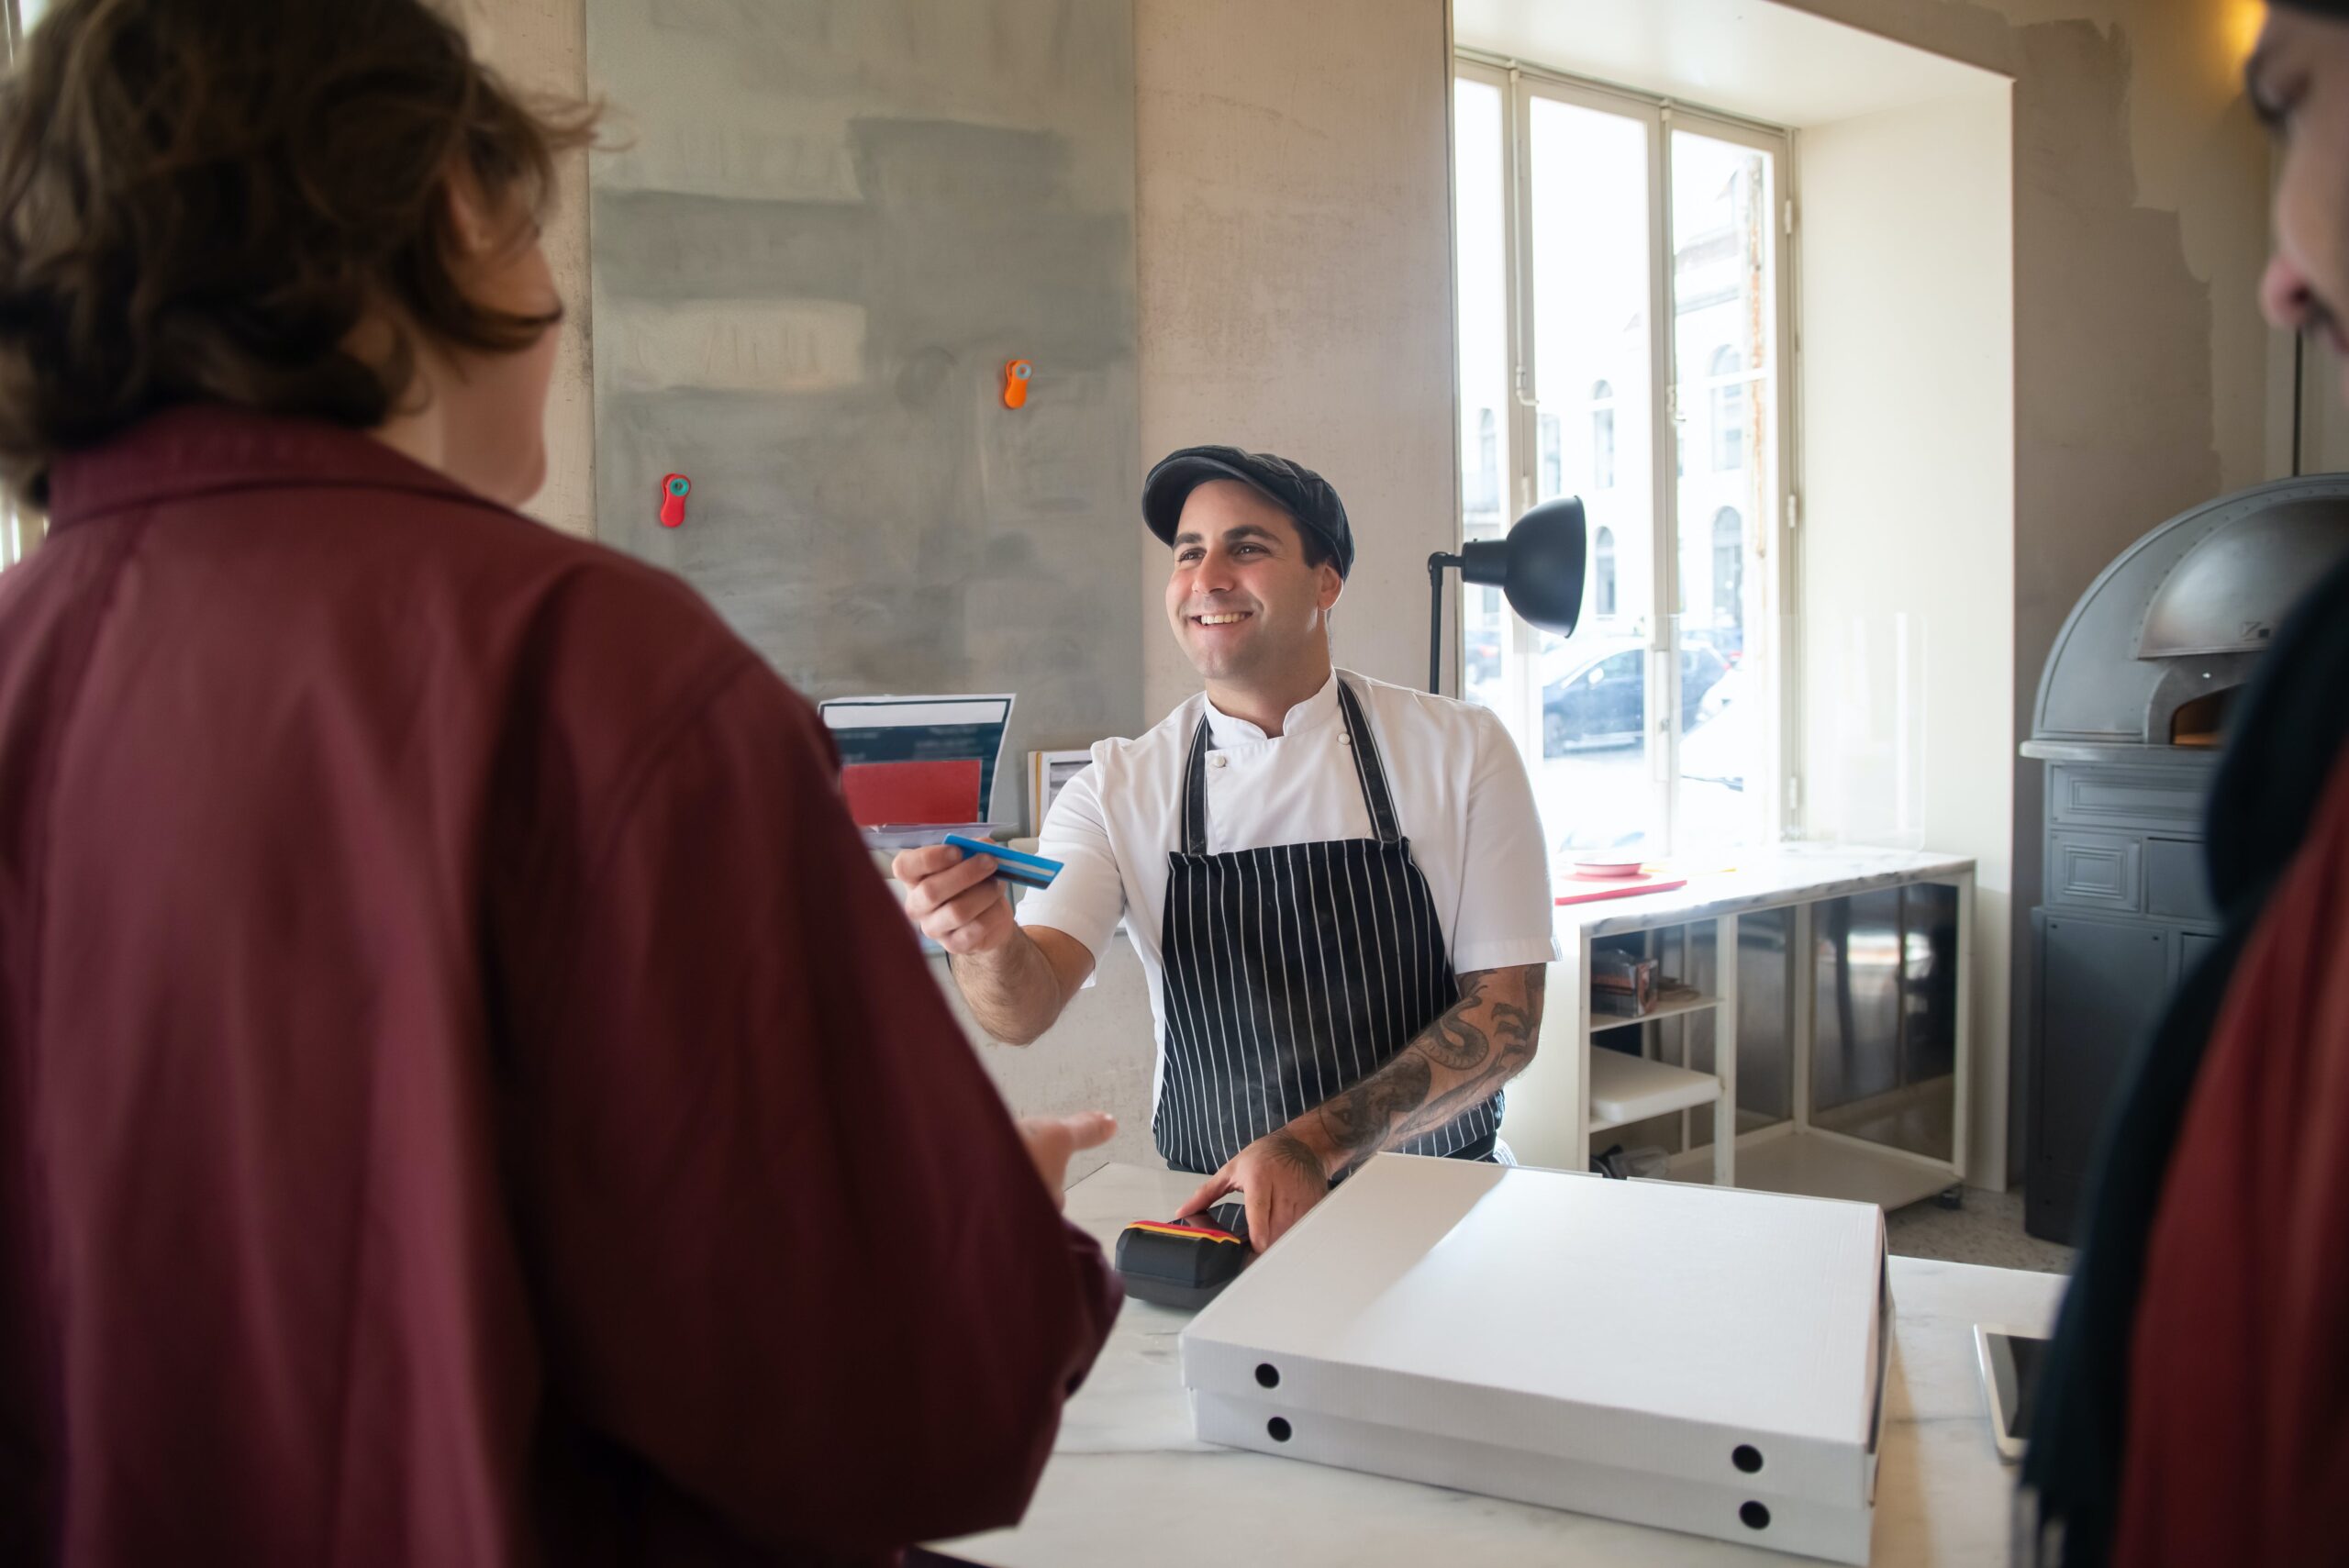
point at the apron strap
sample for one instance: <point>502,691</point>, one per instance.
<point>1369,766</point>
<point>1195,793</point>
<point>1370,770</point>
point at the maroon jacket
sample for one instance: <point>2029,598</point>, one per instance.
<point>465,1096</point>
<point>2238,1396</point>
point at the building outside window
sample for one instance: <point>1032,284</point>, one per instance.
<point>1728,629</point>
<point>1728,410</point>
<point>1485,494</point>
<point>1602,436</point>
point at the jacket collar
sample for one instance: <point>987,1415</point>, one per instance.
<point>207,447</point>
<point>1314,711</point>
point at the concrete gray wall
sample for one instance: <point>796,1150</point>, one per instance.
<point>1296,263</point>
<point>824,230</point>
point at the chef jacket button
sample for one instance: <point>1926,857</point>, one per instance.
<point>1344,738</point>
<point>1215,761</point>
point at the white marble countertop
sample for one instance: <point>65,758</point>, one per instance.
<point>1761,879</point>
<point>1128,1484</point>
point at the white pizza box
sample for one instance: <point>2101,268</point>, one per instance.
<point>1694,1358</point>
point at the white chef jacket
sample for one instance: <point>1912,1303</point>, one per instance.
<point>1460,796</point>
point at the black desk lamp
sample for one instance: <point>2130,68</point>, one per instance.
<point>1539,567</point>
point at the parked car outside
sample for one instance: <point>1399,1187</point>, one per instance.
<point>1597,696</point>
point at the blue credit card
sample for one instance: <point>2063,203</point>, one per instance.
<point>1027,871</point>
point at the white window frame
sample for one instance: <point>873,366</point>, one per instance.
<point>1518,84</point>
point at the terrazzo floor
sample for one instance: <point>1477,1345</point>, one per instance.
<point>1988,1230</point>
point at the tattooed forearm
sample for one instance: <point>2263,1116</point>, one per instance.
<point>1439,1110</point>
<point>1455,1040</point>
<point>1515,1025</point>
<point>1357,1119</point>
<point>1480,1042</point>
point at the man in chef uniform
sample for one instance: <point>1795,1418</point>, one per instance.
<point>1338,888</point>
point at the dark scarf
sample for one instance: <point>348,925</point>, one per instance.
<point>2288,731</point>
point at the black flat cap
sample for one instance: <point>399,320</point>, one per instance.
<point>1296,489</point>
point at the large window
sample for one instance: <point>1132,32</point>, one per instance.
<point>1619,267</point>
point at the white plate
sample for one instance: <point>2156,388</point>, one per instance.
<point>1607,868</point>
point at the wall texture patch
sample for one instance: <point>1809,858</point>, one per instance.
<point>828,226</point>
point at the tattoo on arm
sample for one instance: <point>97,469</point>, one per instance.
<point>1290,1150</point>
<point>1453,1040</point>
<point>1357,1119</point>
<point>1514,1030</point>
<point>1478,1044</point>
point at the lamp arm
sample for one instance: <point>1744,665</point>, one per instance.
<point>1436,564</point>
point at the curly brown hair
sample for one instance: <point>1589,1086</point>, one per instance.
<point>200,200</point>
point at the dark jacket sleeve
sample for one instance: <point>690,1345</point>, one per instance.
<point>792,1251</point>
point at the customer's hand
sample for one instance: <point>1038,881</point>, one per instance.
<point>1051,1140</point>
<point>957,903</point>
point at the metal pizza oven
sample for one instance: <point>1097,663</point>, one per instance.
<point>2132,707</point>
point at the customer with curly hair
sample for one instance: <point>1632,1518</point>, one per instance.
<point>465,1095</point>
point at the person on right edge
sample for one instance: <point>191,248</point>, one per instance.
<point>2194,1409</point>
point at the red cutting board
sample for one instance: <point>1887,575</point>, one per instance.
<point>1591,889</point>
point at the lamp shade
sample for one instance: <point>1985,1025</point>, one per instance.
<point>1539,567</point>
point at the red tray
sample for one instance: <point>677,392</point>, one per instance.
<point>1591,889</point>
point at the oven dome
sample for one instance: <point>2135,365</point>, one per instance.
<point>2230,592</point>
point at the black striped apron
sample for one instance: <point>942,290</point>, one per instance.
<point>1293,973</point>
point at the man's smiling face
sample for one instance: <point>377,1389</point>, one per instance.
<point>1243,602</point>
<point>2299,82</point>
